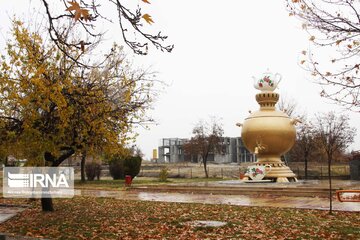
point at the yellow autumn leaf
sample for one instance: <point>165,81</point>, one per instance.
<point>146,1</point>
<point>302,62</point>
<point>148,18</point>
<point>338,42</point>
<point>312,38</point>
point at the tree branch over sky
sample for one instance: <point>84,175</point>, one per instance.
<point>334,30</point>
<point>85,14</point>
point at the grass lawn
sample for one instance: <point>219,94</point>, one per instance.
<point>108,218</point>
<point>111,184</point>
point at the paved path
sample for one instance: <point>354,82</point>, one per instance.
<point>241,200</point>
<point>7,212</point>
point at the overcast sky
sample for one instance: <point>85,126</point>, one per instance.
<point>219,46</point>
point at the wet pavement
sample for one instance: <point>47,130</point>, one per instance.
<point>260,199</point>
<point>241,200</point>
<point>336,184</point>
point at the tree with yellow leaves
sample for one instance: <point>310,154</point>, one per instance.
<point>51,108</point>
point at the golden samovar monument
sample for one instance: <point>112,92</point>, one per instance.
<point>269,133</point>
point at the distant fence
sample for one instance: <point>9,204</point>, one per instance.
<point>234,171</point>
<point>191,170</point>
<point>321,171</point>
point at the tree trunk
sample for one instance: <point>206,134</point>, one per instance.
<point>205,167</point>
<point>330,185</point>
<point>82,164</point>
<point>47,204</point>
<point>6,162</point>
<point>306,167</point>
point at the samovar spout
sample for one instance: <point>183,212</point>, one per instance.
<point>259,147</point>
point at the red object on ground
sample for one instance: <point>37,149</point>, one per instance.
<point>354,197</point>
<point>128,180</point>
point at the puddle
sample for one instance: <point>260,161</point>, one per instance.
<point>242,200</point>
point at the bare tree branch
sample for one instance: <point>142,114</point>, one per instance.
<point>334,27</point>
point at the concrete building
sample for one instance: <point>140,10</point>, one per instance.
<point>171,150</point>
<point>242,154</point>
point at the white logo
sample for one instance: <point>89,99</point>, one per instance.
<point>36,180</point>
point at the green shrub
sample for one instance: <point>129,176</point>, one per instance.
<point>164,174</point>
<point>116,167</point>
<point>120,167</point>
<point>132,166</point>
<point>93,170</point>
